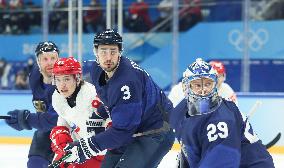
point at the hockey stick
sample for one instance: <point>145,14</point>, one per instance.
<point>274,141</point>
<point>251,112</point>
<point>182,162</point>
<point>58,162</point>
<point>253,109</point>
<point>5,117</point>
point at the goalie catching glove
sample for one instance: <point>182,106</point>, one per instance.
<point>82,150</point>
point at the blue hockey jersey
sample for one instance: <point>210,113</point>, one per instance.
<point>222,138</point>
<point>45,117</point>
<point>135,102</point>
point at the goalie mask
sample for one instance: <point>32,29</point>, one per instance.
<point>200,88</point>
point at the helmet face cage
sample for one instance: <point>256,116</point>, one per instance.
<point>198,70</point>
<point>46,46</point>
<point>108,37</point>
<point>200,104</point>
<point>186,84</point>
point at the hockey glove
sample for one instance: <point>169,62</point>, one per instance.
<point>59,137</point>
<point>82,150</point>
<point>19,119</point>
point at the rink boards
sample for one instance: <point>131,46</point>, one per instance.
<point>266,121</point>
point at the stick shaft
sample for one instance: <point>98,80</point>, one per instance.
<point>58,162</point>
<point>5,117</point>
<point>253,109</point>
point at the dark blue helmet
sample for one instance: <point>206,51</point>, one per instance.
<point>108,37</point>
<point>46,46</point>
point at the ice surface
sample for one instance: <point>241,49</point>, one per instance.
<point>15,156</point>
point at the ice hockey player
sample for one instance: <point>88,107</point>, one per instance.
<point>80,111</point>
<point>140,135</point>
<point>40,78</point>
<point>224,89</point>
<point>212,131</point>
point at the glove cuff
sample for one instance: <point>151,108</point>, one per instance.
<point>87,150</point>
<point>23,120</point>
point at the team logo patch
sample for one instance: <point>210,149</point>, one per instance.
<point>96,103</point>
<point>75,128</point>
<point>95,122</point>
<point>39,105</point>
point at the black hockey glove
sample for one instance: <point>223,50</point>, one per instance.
<point>18,119</point>
<point>81,150</point>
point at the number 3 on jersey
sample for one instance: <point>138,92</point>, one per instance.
<point>126,92</point>
<point>214,131</point>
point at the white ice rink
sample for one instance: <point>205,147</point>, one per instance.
<point>15,156</point>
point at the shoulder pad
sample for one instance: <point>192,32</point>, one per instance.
<point>231,105</point>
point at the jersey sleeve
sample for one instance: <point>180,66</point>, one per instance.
<point>101,109</point>
<point>43,121</point>
<point>248,134</point>
<point>62,122</point>
<point>178,115</point>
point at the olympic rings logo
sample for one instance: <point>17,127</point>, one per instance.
<point>256,39</point>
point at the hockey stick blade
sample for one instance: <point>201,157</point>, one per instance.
<point>58,162</point>
<point>5,117</point>
<point>274,141</point>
